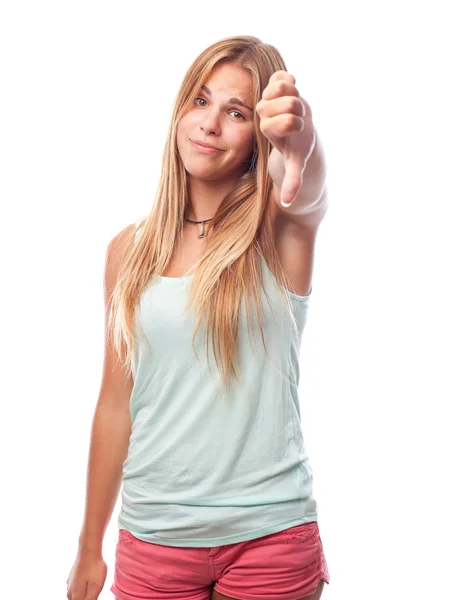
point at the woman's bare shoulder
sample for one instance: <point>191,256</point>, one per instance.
<point>123,238</point>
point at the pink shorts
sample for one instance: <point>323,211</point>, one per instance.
<point>286,565</point>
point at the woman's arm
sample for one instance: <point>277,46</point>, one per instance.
<point>108,450</point>
<point>111,427</point>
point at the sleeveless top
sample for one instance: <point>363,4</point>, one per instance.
<point>202,471</point>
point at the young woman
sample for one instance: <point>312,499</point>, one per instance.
<point>198,414</point>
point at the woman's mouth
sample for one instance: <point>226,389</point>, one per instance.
<point>205,149</point>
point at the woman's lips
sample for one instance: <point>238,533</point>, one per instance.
<point>204,149</point>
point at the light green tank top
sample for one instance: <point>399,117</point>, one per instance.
<point>201,471</point>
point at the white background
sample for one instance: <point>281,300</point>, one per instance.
<point>87,92</point>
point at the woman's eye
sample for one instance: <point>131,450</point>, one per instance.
<point>242,116</point>
<point>235,111</point>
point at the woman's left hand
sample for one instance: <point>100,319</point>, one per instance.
<point>286,121</point>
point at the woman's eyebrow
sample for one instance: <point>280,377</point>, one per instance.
<point>230,101</point>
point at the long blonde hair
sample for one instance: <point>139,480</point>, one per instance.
<point>230,267</point>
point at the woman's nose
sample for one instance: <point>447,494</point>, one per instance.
<point>211,121</point>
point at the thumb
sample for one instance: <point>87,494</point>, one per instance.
<point>292,181</point>
<point>92,591</point>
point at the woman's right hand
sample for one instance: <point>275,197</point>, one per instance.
<point>87,576</point>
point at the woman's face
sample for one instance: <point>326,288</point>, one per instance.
<point>218,120</point>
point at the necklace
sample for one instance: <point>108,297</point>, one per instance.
<point>202,230</point>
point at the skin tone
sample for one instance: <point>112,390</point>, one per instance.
<point>217,120</point>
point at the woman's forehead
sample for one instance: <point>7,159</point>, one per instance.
<point>235,82</point>
<point>230,78</point>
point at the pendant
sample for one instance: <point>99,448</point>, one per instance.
<point>201,232</point>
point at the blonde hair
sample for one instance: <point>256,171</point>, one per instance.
<point>230,268</point>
